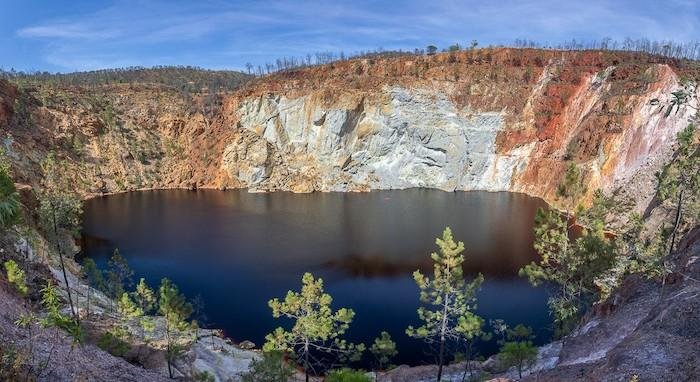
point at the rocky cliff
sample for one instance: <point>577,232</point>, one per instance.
<point>492,119</point>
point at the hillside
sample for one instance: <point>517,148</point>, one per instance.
<point>490,119</point>
<point>183,78</point>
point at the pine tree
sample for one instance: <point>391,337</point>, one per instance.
<point>176,310</point>
<point>94,278</point>
<point>127,308</point>
<point>16,277</point>
<point>679,182</point>
<point>270,368</point>
<point>383,349</point>
<point>9,198</point>
<point>571,188</point>
<point>450,302</point>
<point>54,318</point>
<point>122,273</point>
<point>518,351</point>
<point>146,300</point>
<point>582,267</point>
<point>145,297</point>
<point>317,328</point>
<point>60,208</point>
<point>575,265</point>
<point>199,315</point>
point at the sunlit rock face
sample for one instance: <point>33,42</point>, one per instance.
<point>397,137</point>
<point>491,119</point>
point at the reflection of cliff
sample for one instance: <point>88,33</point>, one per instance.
<point>373,266</point>
<point>378,266</point>
<point>492,119</point>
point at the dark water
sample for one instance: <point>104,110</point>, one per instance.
<point>238,250</point>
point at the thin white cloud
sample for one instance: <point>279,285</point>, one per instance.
<point>217,33</point>
<point>65,31</point>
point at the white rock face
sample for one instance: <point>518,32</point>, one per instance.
<point>400,137</point>
<point>410,138</point>
<point>217,357</point>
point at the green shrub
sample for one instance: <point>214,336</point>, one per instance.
<point>52,303</point>
<point>383,349</point>
<point>520,354</point>
<point>113,344</point>
<point>16,276</point>
<point>9,200</point>
<point>519,351</point>
<point>347,375</point>
<point>270,368</point>
<point>72,327</point>
<point>203,376</point>
<point>12,363</point>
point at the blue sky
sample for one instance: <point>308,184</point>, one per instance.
<point>66,36</point>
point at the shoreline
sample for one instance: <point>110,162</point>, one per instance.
<point>90,196</point>
<point>426,195</point>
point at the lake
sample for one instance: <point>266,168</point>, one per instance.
<point>238,250</point>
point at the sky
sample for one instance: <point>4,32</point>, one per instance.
<point>65,36</point>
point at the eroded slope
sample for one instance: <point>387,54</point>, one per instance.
<point>492,119</point>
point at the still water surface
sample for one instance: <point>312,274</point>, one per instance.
<point>238,249</point>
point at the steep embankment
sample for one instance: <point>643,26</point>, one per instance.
<point>649,332</point>
<point>34,352</point>
<point>493,119</point>
<point>55,357</point>
<point>498,120</point>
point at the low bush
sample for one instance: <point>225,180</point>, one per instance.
<point>16,277</point>
<point>9,199</point>
<point>347,375</point>
<point>270,368</point>
<point>113,344</point>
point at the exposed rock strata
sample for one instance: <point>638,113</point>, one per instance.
<point>497,120</point>
<point>398,137</point>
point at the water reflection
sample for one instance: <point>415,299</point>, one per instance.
<point>239,250</point>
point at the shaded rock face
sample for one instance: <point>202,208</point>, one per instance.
<point>218,358</point>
